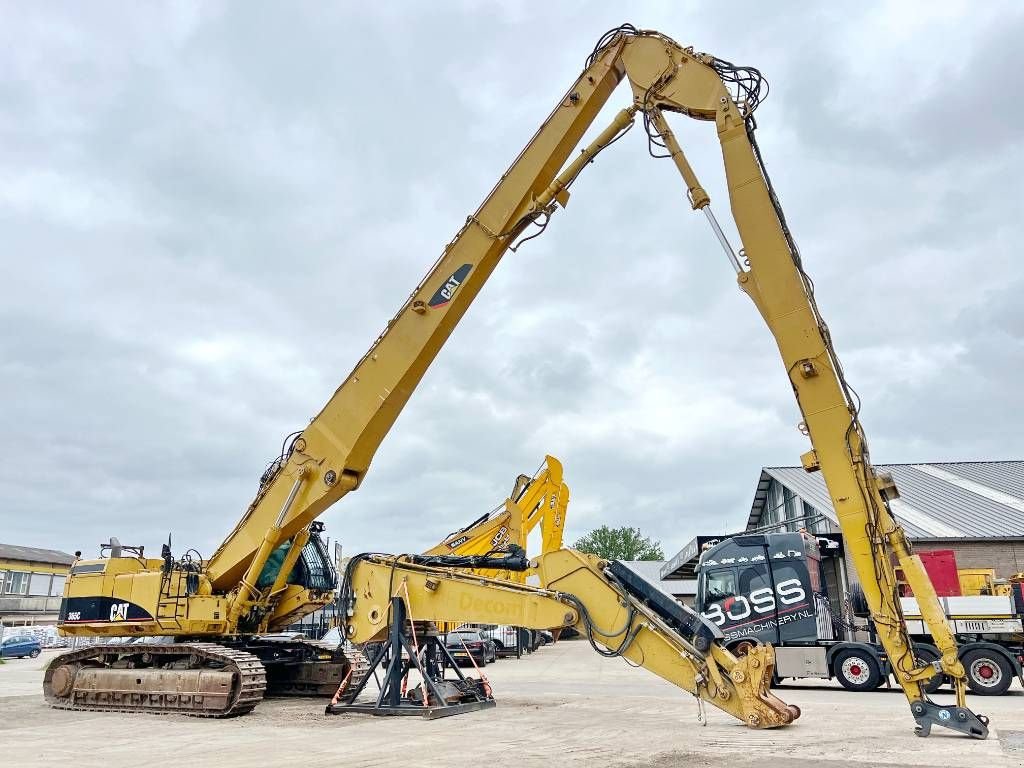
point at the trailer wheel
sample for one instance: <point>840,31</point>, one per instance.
<point>988,673</point>
<point>856,670</point>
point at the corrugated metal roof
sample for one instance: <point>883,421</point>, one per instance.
<point>15,552</point>
<point>1004,476</point>
<point>651,571</point>
<point>977,499</point>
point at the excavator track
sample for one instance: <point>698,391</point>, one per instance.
<point>301,667</point>
<point>197,679</point>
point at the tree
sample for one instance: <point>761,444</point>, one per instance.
<point>623,543</point>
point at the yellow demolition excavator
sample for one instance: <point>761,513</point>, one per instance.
<point>538,500</point>
<point>193,649</point>
<point>214,598</point>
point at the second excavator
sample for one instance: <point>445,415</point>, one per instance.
<point>540,500</point>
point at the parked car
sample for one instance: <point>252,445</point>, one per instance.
<point>466,643</point>
<point>20,646</point>
<point>507,639</point>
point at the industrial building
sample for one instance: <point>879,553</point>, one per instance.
<point>31,584</point>
<point>975,509</point>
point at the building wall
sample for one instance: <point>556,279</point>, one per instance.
<point>1007,557</point>
<point>30,591</point>
<point>781,505</point>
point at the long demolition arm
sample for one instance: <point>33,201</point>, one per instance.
<point>597,598</point>
<point>541,500</point>
<point>332,454</point>
<point>769,269</point>
<point>334,451</point>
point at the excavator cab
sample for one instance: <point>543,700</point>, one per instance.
<point>313,569</point>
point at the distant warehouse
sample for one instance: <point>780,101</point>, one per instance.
<point>974,508</point>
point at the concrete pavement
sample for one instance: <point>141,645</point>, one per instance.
<point>562,702</point>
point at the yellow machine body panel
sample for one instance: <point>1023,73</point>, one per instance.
<point>122,596</point>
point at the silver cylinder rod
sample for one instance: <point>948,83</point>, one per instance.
<point>288,502</point>
<point>733,259</point>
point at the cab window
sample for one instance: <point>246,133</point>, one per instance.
<point>720,585</point>
<point>753,577</point>
<point>78,570</point>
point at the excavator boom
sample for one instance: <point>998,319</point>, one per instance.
<point>619,613</point>
<point>541,500</point>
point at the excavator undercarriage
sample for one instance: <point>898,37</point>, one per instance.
<point>200,679</point>
<point>203,679</point>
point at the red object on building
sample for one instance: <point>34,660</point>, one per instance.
<point>941,567</point>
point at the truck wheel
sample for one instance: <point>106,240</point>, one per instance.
<point>856,670</point>
<point>988,673</point>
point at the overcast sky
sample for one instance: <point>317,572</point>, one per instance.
<point>208,211</point>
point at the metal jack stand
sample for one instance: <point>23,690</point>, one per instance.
<point>444,697</point>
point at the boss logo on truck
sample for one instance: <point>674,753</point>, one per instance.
<point>447,291</point>
<point>759,601</point>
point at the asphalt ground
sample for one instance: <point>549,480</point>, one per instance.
<point>562,702</point>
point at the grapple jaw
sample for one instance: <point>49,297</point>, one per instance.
<point>928,713</point>
<point>751,676</point>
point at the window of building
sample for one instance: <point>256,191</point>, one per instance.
<point>816,522</point>
<point>792,509</point>
<point>16,583</point>
<point>39,584</point>
<point>773,504</point>
<point>57,586</point>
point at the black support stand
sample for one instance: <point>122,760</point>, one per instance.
<point>444,697</point>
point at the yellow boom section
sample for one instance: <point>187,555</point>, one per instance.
<point>334,451</point>
<point>578,593</point>
<point>541,500</point>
